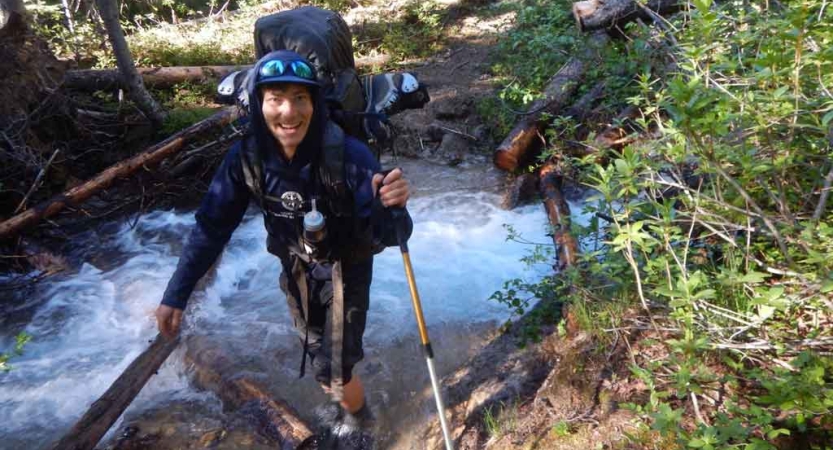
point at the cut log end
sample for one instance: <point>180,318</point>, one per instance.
<point>584,9</point>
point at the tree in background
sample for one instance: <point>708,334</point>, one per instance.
<point>109,11</point>
<point>11,10</point>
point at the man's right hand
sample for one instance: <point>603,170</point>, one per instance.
<point>168,319</point>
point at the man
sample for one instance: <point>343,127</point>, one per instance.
<point>291,163</point>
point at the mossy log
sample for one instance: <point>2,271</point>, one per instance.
<point>593,15</point>
<point>104,412</point>
<point>122,169</point>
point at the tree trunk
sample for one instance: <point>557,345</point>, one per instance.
<point>84,191</point>
<point>109,11</point>
<point>106,410</point>
<point>11,12</point>
<point>597,14</point>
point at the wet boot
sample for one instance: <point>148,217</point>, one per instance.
<point>328,416</point>
<point>354,431</point>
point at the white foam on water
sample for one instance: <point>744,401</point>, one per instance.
<point>95,322</point>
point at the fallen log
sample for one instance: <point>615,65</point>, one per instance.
<point>558,212</point>
<point>159,77</point>
<point>622,131</point>
<point>524,138</point>
<point>98,80</point>
<point>216,371</point>
<point>593,15</point>
<point>80,193</point>
<point>106,410</point>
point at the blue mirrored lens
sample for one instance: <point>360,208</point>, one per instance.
<point>272,68</point>
<point>302,70</point>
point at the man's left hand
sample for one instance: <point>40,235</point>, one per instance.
<point>395,190</point>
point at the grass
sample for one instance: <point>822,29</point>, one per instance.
<point>499,420</point>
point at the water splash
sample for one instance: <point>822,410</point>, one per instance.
<point>90,325</point>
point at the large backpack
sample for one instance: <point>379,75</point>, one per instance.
<point>359,106</point>
<point>322,37</point>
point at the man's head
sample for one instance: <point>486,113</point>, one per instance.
<point>287,112</point>
<point>287,87</point>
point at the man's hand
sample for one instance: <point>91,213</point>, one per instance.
<point>168,319</point>
<point>395,190</point>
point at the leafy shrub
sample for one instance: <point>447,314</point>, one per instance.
<point>718,229</point>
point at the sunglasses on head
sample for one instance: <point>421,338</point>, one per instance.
<point>277,67</point>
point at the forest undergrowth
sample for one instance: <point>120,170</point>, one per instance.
<point>711,232</point>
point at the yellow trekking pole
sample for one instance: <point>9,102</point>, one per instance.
<point>398,214</point>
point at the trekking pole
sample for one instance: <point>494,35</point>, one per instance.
<point>398,214</point>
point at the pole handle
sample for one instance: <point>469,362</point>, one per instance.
<point>397,214</point>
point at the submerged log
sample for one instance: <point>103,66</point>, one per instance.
<point>122,169</point>
<point>558,212</point>
<point>525,136</point>
<point>216,371</point>
<point>106,410</point>
<point>599,14</point>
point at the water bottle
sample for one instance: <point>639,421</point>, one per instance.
<point>315,230</point>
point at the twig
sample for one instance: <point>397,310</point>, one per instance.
<point>451,130</point>
<point>776,234</point>
<point>825,192</point>
<point>661,22</point>
<point>36,183</point>
<point>764,345</point>
<point>453,69</point>
<point>697,409</point>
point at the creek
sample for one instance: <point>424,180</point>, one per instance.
<point>87,326</point>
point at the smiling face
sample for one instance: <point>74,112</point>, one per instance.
<point>287,110</point>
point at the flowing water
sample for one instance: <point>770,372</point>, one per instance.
<point>89,325</point>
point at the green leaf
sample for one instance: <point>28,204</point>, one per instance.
<point>777,432</point>
<point>752,277</point>
<point>765,312</point>
<point>826,119</point>
<point>696,443</point>
<point>827,286</point>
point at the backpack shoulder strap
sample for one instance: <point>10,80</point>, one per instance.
<point>252,171</point>
<point>331,172</point>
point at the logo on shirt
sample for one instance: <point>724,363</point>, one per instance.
<point>292,200</point>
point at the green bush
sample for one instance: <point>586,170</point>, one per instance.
<point>719,232</point>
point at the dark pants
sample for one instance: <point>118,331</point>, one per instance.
<point>357,278</point>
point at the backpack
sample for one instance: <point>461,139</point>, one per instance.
<point>359,106</point>
<point>324,38</point>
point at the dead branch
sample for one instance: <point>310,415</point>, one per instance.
<point>122,169</point>
<point>37,182</point>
